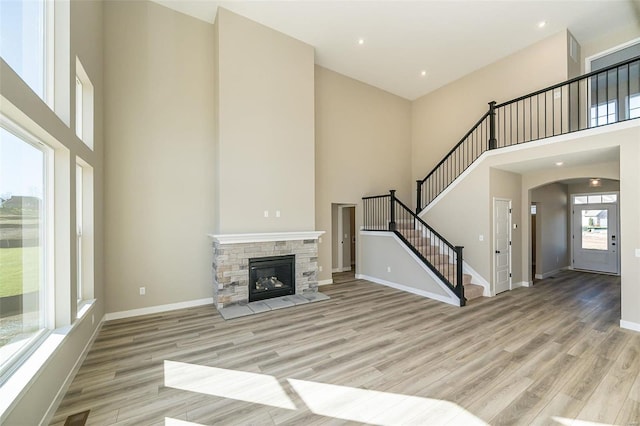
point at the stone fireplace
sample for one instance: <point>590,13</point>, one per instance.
<point>237,256</point>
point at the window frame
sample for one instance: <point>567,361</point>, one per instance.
<point>47,284</point>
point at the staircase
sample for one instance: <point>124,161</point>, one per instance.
<point>577,104</point>
<point>446,265</point>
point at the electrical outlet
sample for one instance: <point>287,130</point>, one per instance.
<point>143,291</point>
<point>266,213</point>
<point>320,239</point>
<point>277,213</point>
<point>637,252</point>
<point>481,238</point>
<point>320,268</point>
<point>388,268</point>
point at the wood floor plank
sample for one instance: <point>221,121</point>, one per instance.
<point>522,357</point>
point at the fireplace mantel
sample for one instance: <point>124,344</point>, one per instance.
<point>265,237</point>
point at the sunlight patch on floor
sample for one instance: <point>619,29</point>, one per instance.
<point>575,422</point>
<point>381,408</point>
<point>239,385</point>
<point>168,421</point>
<point>339,402</point>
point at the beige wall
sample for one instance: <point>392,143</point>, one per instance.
<point>442,117</point>
<point>160,180</point>
<point>507,185</point>
<point>23,106</point>
<point>630,228</point>
<point>615,37</point>
<point>552,224</point>
<point>606,185</point>
<point>266,128</point>
<point>362,148</point>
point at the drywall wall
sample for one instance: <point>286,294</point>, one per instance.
<point>266,128</point>
<point>160,174</point>
<point>606,185</point>
<point>507,186</point>
<point>387,260</point>
<point>630,228</point>
<point>442,117</point>
<point>463,217</point>
<point>552,221</point>
<point>616,37</point>
<point>363,145</point>
<point>85,40</point>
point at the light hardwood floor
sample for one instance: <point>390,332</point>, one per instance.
<point>371,354</point>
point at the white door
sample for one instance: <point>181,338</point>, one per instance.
<point>502,244</point>
<point>596,237</point>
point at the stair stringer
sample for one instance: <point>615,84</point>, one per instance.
<point>425,282</point>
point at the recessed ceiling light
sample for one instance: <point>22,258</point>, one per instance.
<point>360,41</point>
<point>542,24</point>
<point>423,73</point>
<point>559,163</point>
<point>595,182</point>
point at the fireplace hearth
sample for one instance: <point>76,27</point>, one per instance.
<point>272,276</point>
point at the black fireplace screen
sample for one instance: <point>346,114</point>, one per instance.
<point>271,277</point>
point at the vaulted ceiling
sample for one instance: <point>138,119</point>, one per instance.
<point>410,48</point>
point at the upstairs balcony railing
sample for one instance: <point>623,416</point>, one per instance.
<point>595,99</point>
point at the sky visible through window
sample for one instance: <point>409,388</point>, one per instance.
<point>22,47</point>
<point>21,171</point>
<point>22,44</point>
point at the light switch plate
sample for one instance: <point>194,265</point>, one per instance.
<point>266,213</point>
<point>481,238</point>
<point>637,252</point>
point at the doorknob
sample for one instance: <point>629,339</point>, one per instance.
<point>497,251</point>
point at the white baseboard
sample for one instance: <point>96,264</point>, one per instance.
<point>158,309</point>
<point>520,284</point>
<point>51,411</point>
<point>550,273</point>
<point>412,290</point>
<point>325,282</point>
<point>630,325</point>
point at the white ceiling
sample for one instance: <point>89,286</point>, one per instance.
<point>448,39</point>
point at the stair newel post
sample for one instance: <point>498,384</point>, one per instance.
<point>418,195</point>
<point>493,142</point>
<point>459,282</point>
<point>392,216</point>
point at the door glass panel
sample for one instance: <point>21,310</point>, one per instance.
<point>594,229</point>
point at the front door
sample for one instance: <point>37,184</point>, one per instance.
<point>595,237</point>
<point>502,244</point>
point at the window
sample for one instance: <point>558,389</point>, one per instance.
<point>604,113</point>
<point>84,105</point>
<point>84,234</point>
<point>24,41</point>
<point>595,199</point>
<point>78,108</point>
<point>79,205</point>
<point>634,105</point>
<point>24,210</point>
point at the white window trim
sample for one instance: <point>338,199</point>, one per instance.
<point>47,271</point>
<point>84,115</point>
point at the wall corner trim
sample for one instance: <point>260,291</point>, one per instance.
<point>158,309</point>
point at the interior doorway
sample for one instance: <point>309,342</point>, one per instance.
<point>343,237</point>
<point>502,244</point>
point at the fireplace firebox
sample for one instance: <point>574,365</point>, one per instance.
<point>272,276</point>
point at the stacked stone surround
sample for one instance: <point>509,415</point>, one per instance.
<point>231,267</point>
